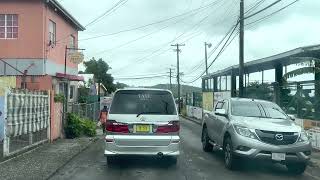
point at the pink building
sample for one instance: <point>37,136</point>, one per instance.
<point>33,36</point>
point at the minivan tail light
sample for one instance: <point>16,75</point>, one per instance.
<point>114,126</point>
<point>172,126</point>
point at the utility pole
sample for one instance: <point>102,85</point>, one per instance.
<point>206,55</point>
<point>241,49</point>
<point>170,78</point>
<point>178,72</point>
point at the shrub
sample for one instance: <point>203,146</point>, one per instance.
<point>77,127</point>
<point>58,98</point>
<point>73,128</point>
<point>88,127</point>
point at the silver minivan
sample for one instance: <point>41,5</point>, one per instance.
<point>142,122</point>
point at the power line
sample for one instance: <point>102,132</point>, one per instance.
<point>150,24</point>
<point>267,7</point>
<point>154,52</point>
<point>271,14</point>
<point>219,53</point>
<point>214,49</point>
<point>95,20</point>
<point>201,63</point>
<point>146,25</point>
<point>142,75</point>
<point>255,6</point>
<point>141,37</point>
<point>147,77</point>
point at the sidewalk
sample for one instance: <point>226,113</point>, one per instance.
<point>315,157</point>
<point>45,160</point>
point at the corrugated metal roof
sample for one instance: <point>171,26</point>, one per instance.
<point>294,56</point>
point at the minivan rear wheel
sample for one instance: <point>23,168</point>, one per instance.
<point>206,146</point>
<point>173,160</point>
<point>297,168</point>
<point>110,160</point>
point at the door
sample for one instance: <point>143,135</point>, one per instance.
<point>211,122</point>
<point>221,122</point>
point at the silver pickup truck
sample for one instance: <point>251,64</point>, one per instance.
<point>255,129</point>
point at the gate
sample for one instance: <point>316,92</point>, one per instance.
<point>26,120</point>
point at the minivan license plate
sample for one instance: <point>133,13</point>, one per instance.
<point>278,156</point>
<point>143,128</point>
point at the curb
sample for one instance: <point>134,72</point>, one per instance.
<point>191,119</point>
<point>93,140</point>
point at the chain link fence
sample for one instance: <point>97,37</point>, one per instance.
<point>89,111</point>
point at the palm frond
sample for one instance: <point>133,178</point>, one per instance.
<point>300,71</point>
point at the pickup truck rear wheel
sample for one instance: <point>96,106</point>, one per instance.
<point>297,168</point>
<point>230,159</point>
<point>206,146</point>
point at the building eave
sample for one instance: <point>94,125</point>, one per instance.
<point>66,14</point>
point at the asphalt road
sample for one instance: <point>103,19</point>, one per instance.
<point>193,163</point>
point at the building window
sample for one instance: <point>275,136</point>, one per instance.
<point>71,92</point>
<point>72,42</point>
<point>52,33</point>
<point>8,26</point>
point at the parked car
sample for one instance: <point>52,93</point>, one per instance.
<point>255,129</point>
<point>142,122</point>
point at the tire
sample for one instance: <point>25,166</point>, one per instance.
<point>230,159</point>
<point>206,146</point>
<point>111,160</point>
<point>297,168</point>
<point>173,160</point>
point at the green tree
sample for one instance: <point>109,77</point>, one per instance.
<point>99,68</point>
<point>120,85</point>
<point>259,91</point>
<point>83,93</point>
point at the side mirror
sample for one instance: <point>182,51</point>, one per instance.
<point>292,117</point>
<point>221,112</point>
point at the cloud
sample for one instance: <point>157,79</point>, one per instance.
<point>293,27</point>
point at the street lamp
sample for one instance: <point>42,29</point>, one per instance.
<point>206,54</point>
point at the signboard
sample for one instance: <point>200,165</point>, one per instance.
<point>218,96</point>
<point>105,101</point>
<point>76,57</point>
<point>207,99</point>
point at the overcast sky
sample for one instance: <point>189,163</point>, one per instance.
<point>296,26</point>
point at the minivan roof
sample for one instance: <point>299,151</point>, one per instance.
<point>143,89</point>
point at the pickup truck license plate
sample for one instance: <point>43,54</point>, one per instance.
<point>278,156</point>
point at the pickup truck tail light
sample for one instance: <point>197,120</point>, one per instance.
<point>114,126</point>
<point>172,126</point>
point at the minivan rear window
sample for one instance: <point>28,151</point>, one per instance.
<point>143,101</point>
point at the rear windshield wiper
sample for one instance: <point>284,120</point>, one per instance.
<point>148,113</point>
<point>257,116</point>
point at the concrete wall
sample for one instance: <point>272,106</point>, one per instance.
<point>56,53</point>
<point>29,44</point>
<point>194,112</point>
<point>32,44</point>
<point>35,82</point>
<point>56,121</point>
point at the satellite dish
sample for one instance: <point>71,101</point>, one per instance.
<point>209,45</point>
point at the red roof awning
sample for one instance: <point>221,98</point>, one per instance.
<point>70,77</point>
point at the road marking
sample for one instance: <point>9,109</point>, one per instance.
<point>315,177</point>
